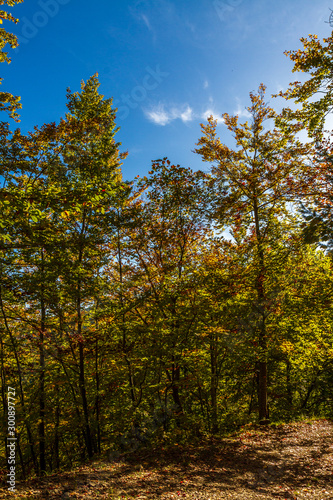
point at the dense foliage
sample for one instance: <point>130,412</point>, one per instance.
<point>177,305</point>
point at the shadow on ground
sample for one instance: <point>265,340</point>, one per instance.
<point>290,462</point>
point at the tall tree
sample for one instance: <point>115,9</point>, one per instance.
<point>165,247</point>
<point>253,184</point>
<point>64,180</point>
<point>89,179</point>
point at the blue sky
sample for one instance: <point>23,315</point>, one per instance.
<point>167,63</point>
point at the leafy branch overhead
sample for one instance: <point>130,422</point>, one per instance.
<point>8,102</point>
<point>315,94</point>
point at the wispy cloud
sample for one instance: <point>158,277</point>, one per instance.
<point>241,111</point>
<point>185,116</point>
<point>165,18</point>
<point>146,21</point>
<point>142,17</point>
<point>158,115</point>
<point>161,116</point>
<point>206,84</point>
<point>210,112</point>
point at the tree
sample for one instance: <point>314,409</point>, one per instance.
<point>317,210</point>
<point>87,174</point>
<point>302,350</point>
<point>171,231</point>
<point>315,59</point>
<point>64,180</point>
<point>253,185</point>
<point>315,95</point>
<point>8,102</point>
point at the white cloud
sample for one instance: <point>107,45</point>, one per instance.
<point>185,116</point>
<point>210,112</point>
<point>160,116</point>
<point>241,111</point>
<point>146,21</point>
<point>206,84</point>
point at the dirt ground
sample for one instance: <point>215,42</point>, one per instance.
<point>293,461</point>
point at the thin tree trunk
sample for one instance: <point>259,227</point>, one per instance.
<point>289,388</point>
<point>97,402</point>
<point>56,438</point>
<point>175,377</point>
<point>83,392</point>
<point>213,383</point>
<point>19,373</point>
<point>82,383</point>
<point>262,392</point>
<point>41,425</point>
<point>21,456</point>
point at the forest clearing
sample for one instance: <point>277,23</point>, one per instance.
<point>290,461</point>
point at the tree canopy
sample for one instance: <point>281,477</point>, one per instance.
<point>175,306</point>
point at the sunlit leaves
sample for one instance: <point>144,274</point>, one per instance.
<point>8,102</point>
<point>315,59</point>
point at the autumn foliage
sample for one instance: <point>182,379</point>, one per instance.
<point>174,306</point>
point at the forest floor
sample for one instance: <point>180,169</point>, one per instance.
<point>291,461</point>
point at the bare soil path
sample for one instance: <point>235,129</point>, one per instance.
<point>293,461</point>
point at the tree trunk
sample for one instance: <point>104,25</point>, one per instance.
<point>87,433</point>
<point>262,391</point>
<point>19,373</point>
<point>41,425</point>
<point>82,383</point>
<point>263,410</point>
<point>289,388</point>
<point>214,383</point>
<point>175,377</point>
<point>97,402</point>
